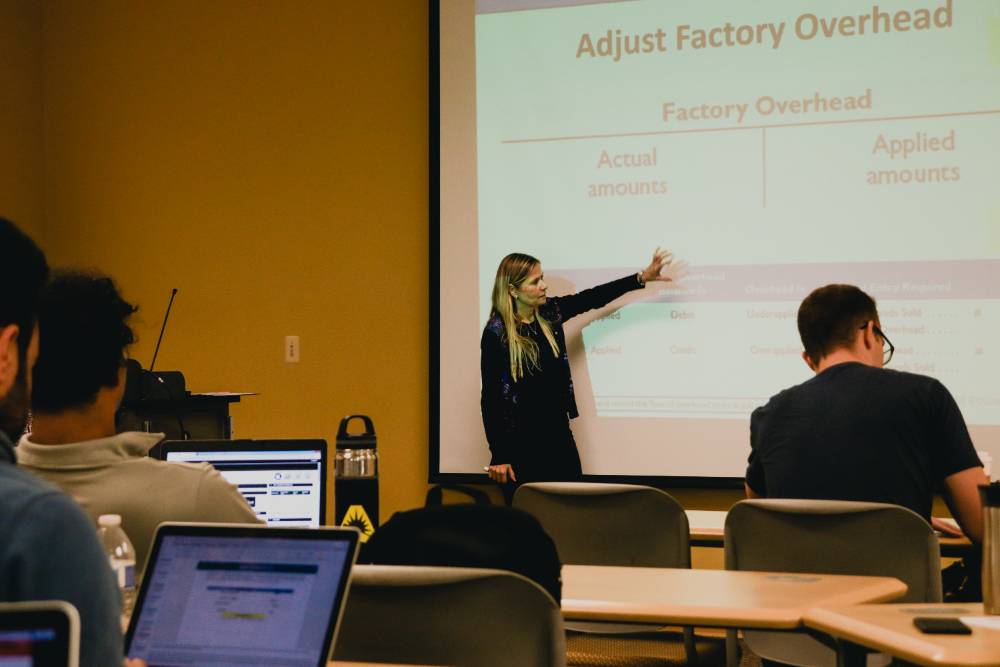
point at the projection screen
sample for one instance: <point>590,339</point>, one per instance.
<point>775,147</point>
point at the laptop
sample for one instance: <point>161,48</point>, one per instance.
<point>284,481</point>
<point>39,634</point>
<point>222,595</point>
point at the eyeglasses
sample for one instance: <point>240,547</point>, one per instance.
<point>887,347</point>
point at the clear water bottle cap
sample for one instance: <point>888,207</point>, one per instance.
<point>109,520</point>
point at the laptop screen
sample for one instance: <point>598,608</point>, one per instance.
<point>283,481</point>
<point>38,634</point>
<point>238,596</point>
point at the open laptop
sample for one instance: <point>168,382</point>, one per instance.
<point>283,480</point>
<point>39,634</point>
<point>216,594</point>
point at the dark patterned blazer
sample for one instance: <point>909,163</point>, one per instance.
<point>500,397</point>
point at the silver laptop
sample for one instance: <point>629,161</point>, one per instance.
<point>39,634</point>
<point>216,595</point>
<point>284,481</point>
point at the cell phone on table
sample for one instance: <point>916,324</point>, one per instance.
<point>936,625</point>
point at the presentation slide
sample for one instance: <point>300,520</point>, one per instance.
<point>776,147</point>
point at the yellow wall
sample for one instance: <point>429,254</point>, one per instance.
<point>269,159</point>
<point>21,114</point>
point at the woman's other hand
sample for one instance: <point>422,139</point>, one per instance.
<point>501,473</point>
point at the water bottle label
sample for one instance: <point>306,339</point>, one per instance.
<point>124,573</point>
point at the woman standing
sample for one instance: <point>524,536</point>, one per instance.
<point>527,390</point>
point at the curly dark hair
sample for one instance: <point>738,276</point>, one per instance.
<point>830,317</point>
<point>84,333</point>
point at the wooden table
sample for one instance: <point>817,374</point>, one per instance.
<point>707,529</point>
<point>711,598</point>
<point>889,628</point>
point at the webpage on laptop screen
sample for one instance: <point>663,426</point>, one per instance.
<point>239,601</point>
<point>22,648</point>
<point>283,487</point>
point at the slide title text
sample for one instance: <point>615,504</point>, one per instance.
<point>617,44</point>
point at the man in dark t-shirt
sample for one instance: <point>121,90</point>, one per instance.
<point>858,431</point>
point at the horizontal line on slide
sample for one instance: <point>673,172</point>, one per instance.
<point>738,128</point>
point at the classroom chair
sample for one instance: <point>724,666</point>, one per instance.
<point>615,524</point>
<point>449,616</point>
<point>828,537</point>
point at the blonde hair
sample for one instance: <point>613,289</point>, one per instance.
<point>513,270</point>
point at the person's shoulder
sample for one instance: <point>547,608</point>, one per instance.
<point>166,474</point>
<point>551,311</point>
<point>494,328</point>
<point>180,478</point>
<point>35,507</point>
<point>18,487</point>
<point>178,469</point>
<point>494,325</point>
<point>903,390</point>
<point>908,381</point>
<point>786,395</point>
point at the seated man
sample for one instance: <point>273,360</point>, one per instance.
<point>48,546</point>
<point>857,431</point>
<point>78,383</point>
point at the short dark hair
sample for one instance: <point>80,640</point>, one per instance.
<point>23,273</point>
<point>84,335</point>
<point>829,317</point>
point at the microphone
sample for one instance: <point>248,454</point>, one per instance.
<point>163,328</point>
<point>142,385</point>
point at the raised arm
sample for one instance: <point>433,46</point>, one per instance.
<point>661,268</point>
<point>572,305</point>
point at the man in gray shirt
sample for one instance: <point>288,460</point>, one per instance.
<point>78,384</point>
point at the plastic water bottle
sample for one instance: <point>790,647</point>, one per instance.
<point>121,556</point>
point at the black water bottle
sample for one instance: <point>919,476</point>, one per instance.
<point>356,478</point>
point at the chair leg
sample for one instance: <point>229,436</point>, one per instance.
<point>732,649</point>
<point>690,650</point>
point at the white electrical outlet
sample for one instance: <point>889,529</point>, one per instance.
<point>292,349</point>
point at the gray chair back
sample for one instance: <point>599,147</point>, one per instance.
<point>610,524</point>
<point>836,537</point>
<point>449,616</point>
<point>830,537</point>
